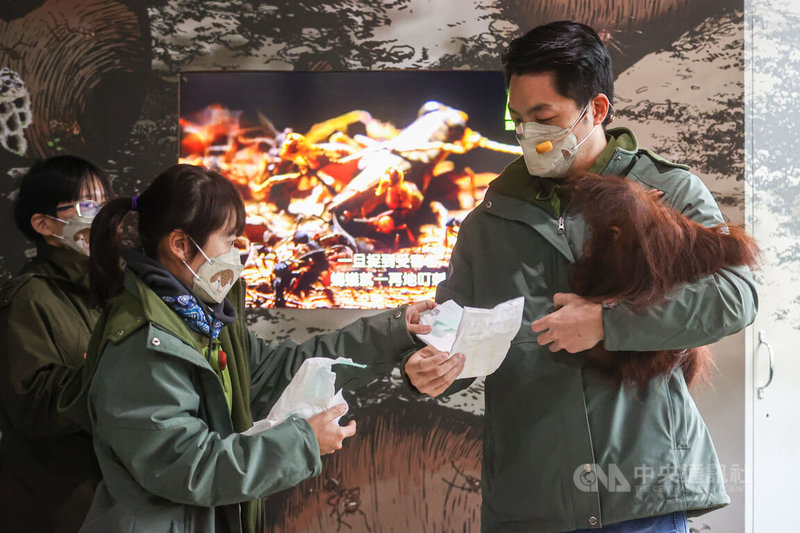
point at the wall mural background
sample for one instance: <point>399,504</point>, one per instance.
<point>99,78</point>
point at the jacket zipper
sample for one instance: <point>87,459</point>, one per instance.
<point>561,225</point>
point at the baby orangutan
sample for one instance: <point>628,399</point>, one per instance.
<point>638,251</point>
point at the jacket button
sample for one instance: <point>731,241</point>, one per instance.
<point>398,314</point>
<point>592,521</point>
<point>489,204</point>
<point>119,332</point>
<point>155,341</point>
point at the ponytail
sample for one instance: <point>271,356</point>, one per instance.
<point>193,199</point>
<point>105,260</point>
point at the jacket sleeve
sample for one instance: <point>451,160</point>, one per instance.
<point>35,368</point>
<point>378,341</point>
<point>699,313</point>
<point>145,418</point>
<point>458,286</point>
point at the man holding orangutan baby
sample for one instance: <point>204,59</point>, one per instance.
<point>589,423</point>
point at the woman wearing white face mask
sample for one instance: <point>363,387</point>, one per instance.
<point>173,376</point>
<point>49,473</point>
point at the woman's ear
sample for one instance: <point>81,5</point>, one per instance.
<point>179,245</point>
<point>43,225</point>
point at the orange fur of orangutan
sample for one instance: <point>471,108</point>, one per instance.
<point>638,251</point>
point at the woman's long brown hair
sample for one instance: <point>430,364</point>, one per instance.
<point>638,251</point>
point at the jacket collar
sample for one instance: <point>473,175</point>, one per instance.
<point>163,319</point>
<point>527,205</point>
<point>158,313</point>
<point>519,210</point>
<point>128,312</point>
<point>517,183</point>
<point>61,263</point>
<point>617,157</point>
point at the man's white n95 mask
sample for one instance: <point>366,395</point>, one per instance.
<point>549,151</point>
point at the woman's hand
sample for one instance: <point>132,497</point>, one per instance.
<point>412,316</point>
<point>328,431</point>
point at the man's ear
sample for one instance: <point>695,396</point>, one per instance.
<point>179,245</point>
<point>42,224</point>
<point>601,107</point>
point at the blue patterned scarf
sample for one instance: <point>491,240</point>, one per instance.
<point>193,315</point>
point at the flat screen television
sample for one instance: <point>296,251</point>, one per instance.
<point>355,183</point>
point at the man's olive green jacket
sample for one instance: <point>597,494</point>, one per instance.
<point>565,447</point>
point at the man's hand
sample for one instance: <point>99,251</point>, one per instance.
<point>412,317</point>
<point>576,324</point>
<point>432,371</point>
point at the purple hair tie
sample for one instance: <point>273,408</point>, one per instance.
<point>135,203</point>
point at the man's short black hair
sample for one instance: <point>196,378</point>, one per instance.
<point>572,51</point>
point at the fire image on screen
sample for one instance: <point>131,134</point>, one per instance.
<point>355,183</point>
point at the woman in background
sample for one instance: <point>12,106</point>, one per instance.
<point>48,473</point>
<point>174,377</point>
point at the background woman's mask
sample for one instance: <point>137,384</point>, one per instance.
<point>75,233</point>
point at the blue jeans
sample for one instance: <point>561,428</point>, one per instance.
<point>667,523</point>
